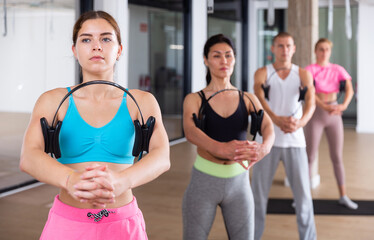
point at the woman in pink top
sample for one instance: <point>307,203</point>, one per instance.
<point>328,114</point>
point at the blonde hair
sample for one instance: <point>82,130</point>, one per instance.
<point>323,40</point>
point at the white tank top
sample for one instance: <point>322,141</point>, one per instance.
<point>283,101</point>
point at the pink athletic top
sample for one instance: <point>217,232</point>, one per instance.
<point>327,78</point>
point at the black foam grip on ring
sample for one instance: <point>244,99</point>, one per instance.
<point>342,86</point>
<point>56,143</point>
<point>51,137</point>
<point>143,134</point>
<point>260,114</point>
<point>256,123</point>
<point>147,133</point>
<point>45,130</point>
<point>199,123</point>
<point>266,90</point>
<point>302,91</point>
<point>138,139</point>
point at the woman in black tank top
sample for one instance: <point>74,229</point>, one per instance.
<point>216,121</point>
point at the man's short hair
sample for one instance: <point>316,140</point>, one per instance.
<point>282,35</point>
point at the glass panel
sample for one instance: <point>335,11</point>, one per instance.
<point>266,34</point>
<point>36,44</point>
<point>156,65</point>
<point>344,51</point>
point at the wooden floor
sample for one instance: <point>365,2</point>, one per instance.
<point>23,215</point>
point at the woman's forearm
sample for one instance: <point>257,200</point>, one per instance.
<point>44,168</point>
<point>268,135</point>
<point>147,169</point>
<point>348,94</point>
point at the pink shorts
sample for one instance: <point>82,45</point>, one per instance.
<point>66,222</point>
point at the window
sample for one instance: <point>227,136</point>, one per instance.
<point>156,57</point>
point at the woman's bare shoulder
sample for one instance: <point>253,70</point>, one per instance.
<point>141,95</point>
<point>56,92</point>
<point>50,99</point>
<point>194,97</point>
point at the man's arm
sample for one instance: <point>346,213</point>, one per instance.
<point>260,79</point>
<point>309,102</point>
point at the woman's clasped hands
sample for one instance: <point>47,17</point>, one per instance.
<point>249,151</point>
<point>334,109</point>
<point>95,185</point>
<point>243,151</point>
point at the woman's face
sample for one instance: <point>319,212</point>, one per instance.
<point>97,46</point>
<point>323,52</point>
<point>220,61</point>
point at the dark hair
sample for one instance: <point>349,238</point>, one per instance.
<point>95,15</point>
<point>282,35</point>
<point>213,40</point>
<point>323,40</point>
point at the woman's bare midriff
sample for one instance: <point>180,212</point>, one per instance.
<point>206,155</point>
<point>121,200</point>
<point>327,97</point>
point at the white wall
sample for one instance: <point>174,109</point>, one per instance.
<point>365,81</point>
<point>36,55</point>
<point>138,45</point>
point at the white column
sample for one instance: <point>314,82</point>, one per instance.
<point>252,45</point>
<point>365,83</point>
<point>119,10</point>
<point>199,36</point>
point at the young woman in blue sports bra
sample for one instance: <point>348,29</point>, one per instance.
<point>218,177</point>
<point>96,171</point>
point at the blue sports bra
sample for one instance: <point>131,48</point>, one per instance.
<point>113,142</point>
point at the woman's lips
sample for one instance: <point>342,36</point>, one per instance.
<point>97,58</point>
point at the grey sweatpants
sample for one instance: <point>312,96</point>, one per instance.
<point>296,165</point>
<point>205,193</point>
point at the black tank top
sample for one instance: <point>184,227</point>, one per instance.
<point>234,127</point>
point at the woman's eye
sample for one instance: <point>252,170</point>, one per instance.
<point>107,39</point>
<point>86,40</point>
<point>228,56</point>
<point>216,56</point>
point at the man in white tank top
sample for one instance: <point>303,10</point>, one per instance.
<point>289,117</point>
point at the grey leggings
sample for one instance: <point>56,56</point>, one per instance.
<point>205,193</point>
<point>333,126</point>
